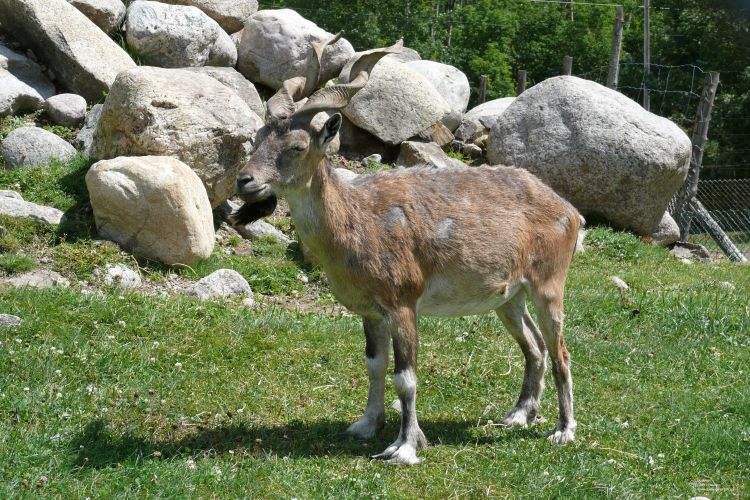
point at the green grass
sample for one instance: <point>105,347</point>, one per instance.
<point>11,263</point>
<point>129,396</point>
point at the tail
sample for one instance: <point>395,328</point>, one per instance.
<point>579,243</point>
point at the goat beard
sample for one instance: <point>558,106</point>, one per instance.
<point>251,211</point>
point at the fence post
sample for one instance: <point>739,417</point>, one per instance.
<point>614,55</point>
<point>521,82</point>
<point>646,53</point>
<point>719,236</point>
<point>482,89</point>
<point>700,134</point>
<point>567,66</point>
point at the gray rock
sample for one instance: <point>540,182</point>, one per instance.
<point>85,136</point>
<point>17,207</point>
<point>68,110</point>
<point>597,148</point>
<point>477,122</point>
<point>153,206</point>
<point>451,83</point>
<point>262,229</point>
<point>221,283</point>
<point>667,232</point>
<point>690,252</point>
<point>415,154</point>
<point>381,107</point>
<point>33,146</point>
<point>42,278</point>
<point>471,150</point>
<point>276,44</point>
<point>174,112</point>
<point>437,133</point>
<point>9,320</point>
<point>7,193</point>
<point>406,55</point>
<point>107,14</point>
<point>84,59</point>
<point>122,276</point>
<point>175,36</point>
<point>230,14</point>
<point>372,158</point>
<point>358,142</point>
<point>235,81</point>
<point>23,86</point>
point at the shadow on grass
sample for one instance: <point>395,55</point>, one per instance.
<point>78,221</point>
<point>97,447</point>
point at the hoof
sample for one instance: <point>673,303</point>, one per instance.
<point>363,429</point>
<point>404,454</point>
<point>562,436</point>
<point>522,418</point>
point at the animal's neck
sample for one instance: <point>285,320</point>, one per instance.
<point>321,212</point>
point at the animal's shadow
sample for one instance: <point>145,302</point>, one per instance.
<point>98,447</point>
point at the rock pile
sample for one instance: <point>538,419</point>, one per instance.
<point>172,132</point>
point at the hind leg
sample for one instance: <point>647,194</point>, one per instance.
<point>516,319</point>
<point>549,306</point>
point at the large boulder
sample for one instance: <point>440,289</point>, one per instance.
<point>175,36</point>
<point>155,207</point>
<point>451,83</point>
<point>275,46</point>
<point>477,122</point>
<point>85,60</point>
<point>23,86</point>
<point>230,14</point>
<point>175,112</point>
<point>107,14</point>
<point>407,54</point>
<point>597,148</point>
<point>396,104</point>
<point>68,110</point>
<point>33,146</point>
<point>235,81</point>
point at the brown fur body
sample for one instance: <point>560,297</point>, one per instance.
<point>384,238</point>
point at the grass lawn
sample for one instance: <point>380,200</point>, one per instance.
<point>130,396</point>
<point>124,395</point>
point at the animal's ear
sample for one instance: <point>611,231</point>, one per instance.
<point>330,129</point>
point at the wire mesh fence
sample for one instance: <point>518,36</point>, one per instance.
<point>728,202</point>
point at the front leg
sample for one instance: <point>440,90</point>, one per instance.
<point>405,343</point>
<point>377,342</point>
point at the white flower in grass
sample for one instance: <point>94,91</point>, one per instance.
<point>190,464</point>
<point>178,365</point>
<point>91,389</point>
